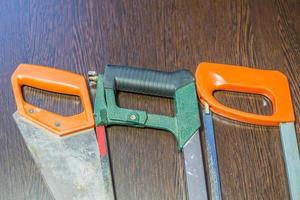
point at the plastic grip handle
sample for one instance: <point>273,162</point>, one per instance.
<point>211,77</point>
<point>145,81</point>
<point>53,80</point>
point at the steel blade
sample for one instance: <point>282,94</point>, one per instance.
<point>70,165</point>
<point>194,169</point>
<point>213,169</point>
<point>105,161</point>
<point>291,158</point>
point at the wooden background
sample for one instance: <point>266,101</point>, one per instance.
<point>167,35</point>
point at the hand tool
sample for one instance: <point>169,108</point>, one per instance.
<point>211,77</point>
<point>64,148</point>
<point>177,85</point>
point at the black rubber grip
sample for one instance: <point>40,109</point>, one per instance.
<point>145,81</point>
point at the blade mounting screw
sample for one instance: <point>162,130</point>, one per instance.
<point>132,117</point>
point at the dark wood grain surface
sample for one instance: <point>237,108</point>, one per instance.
<point>166,35</point>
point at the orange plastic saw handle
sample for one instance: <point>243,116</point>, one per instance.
<point>53,80</point>
<point>211,77</point>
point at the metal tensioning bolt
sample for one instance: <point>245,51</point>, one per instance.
<point>92,77</point>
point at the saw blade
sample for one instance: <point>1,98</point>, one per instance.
<point>70,165</point>
<point>291,158</point>
<point>212,157</point>
<point>194,169</point>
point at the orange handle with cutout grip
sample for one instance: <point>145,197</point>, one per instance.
<point>53,80</point>
<point>211,77</point>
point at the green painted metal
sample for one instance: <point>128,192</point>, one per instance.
<point>183,125</point>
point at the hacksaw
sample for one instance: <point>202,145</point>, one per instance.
<point>178,86</point>
<point>211,77</point>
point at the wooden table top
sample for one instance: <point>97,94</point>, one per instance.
<point>164,35</point>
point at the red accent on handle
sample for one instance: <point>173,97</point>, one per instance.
<point>101,138</point>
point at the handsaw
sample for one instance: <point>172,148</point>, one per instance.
<point>184,126</point>
<point>64,148</point>
<point>211,77</point>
